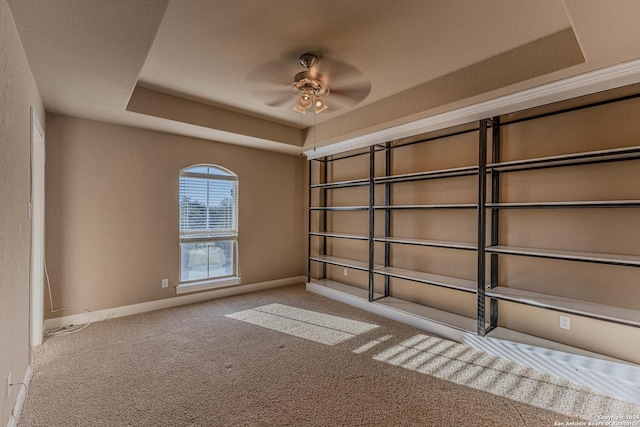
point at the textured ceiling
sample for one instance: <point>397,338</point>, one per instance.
<point>397,45</point>
<point>183,66</point>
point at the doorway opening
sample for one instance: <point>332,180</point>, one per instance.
<point>36,213</point>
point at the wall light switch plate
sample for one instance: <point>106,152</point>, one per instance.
<point>165,283</point>
<point>565,322</point>
<point>345,271</point>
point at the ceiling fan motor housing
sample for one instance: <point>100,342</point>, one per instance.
<point>310,82</point>
<point>309,60</point>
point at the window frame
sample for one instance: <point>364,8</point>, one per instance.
<point>207,235</point>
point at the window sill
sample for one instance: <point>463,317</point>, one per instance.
<point>204,285</point>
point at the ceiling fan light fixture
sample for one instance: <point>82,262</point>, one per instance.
<point>305,100</point>
<point>319,105</point>
<point>309,86</point>
<point>308,98</point>
<point>299,109</point>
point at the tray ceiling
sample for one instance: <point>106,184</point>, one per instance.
<point>182,66</point>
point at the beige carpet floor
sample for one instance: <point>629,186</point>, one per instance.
<point>286,357</point>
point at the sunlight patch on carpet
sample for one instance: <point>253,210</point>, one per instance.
<point>310,325</point>
<point>474,368</point>
<point>368,346</point>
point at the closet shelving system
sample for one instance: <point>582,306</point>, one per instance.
<point>497,168</point>
<point>323,234</point>
<point>386,270</point>
<point>487,285</point>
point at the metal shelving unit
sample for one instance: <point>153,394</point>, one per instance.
<point>432,243</point>
<point>339,208</point>
<point>389,271</point>
<point>340,235</point>
<point>495,169</point>
<point>567,305</point>
<point>429,279</point>
<point>341,262</point>
<point>589,157</point>
<point>443,173</point>
<point>445,206</point>
<point>324,187</point>
<point>342,184</point>
<point>386,270</point>
<point>489,251</point>
<point>599,258</point>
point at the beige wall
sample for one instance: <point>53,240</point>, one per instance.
<point>17,94</point>
<point>591,230</point>
<point>112,211</point>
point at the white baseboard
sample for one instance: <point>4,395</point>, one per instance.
<point>127,310</point>
<point>612,377</point>
<point>20,399</point>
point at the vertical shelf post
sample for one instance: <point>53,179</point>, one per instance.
<point>372,194</point>
<point>324,214</point>
<point>495,216</point>
<point>482,224</point>
<point>387,215</point>
<point>310,162</point>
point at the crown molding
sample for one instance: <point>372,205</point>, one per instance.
<point>584,84</point>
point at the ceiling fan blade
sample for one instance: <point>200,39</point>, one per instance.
<point>280,101</point>
<point>271,83</point>
<point>335,71</point>
<point>273,97</point>
<point>351,95</point>
<point>273,72</point>
<point>348,84</point>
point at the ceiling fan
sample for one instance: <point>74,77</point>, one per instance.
<point>322,78</point>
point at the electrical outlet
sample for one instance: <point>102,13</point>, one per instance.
<point>165,283</point>
<point>565,322</point>
<point>8,385</point>
<point>345,271</point>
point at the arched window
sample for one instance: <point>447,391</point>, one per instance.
<point>208,227</point>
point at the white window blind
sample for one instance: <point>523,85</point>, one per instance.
<point>208,198</point>
<point>208,203</point>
